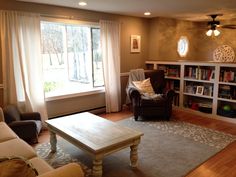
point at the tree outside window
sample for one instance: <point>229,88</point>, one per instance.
<point>71,58</point>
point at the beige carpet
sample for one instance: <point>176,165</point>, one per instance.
<point>167,149</point>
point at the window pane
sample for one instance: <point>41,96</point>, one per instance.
<point>79,54</point>
<point>53,53</point>
<point>97,58</point>
<point>67,58</point>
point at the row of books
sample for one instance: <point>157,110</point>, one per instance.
<point>199,73</point>
<point>227,76</point>
<point>172,84</point>
<point>171,71</point>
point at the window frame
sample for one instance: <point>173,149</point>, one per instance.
<point>94,89</point>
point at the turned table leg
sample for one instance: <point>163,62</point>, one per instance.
<point>53,141</point>
<point>134,154</point>
<point>97,168</point>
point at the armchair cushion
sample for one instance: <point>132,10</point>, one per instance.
<point>145,87</point>
<point>159,100</point>
<point>26,127</point>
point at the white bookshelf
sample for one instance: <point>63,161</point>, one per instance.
<point>220,77</point>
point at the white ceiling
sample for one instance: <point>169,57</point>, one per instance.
<point>193,10</point>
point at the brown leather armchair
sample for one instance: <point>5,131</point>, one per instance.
<point>149,107</point>
<point>26,125</point>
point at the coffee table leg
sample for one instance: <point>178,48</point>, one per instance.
<point>53,141</point>
<point>97,167</point>
<point>134,154</point>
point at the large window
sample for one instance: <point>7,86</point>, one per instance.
<point>71,58</point>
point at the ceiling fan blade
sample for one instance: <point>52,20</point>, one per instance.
<point>229,26</point>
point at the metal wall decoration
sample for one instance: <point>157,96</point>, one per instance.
<point>224,53</point>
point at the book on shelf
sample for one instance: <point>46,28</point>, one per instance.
<point>227,76</point>
<point>171,71</point>
<point>199,73</point>
<point>171,84</point>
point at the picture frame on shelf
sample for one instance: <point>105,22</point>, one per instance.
<point>135,44</point>
<point>199,90</point>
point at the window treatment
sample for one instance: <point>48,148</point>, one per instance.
<point>21,60</point>
<point>110,41</point>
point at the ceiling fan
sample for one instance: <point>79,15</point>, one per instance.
<point>214,24</point>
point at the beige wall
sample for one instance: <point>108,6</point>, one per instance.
<point>159,38</point>
<point>164,34</point>
<point>129,25</point>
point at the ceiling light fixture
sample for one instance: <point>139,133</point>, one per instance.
<point>147,13</point>
<point>82,3</point>
<point>213,31</point>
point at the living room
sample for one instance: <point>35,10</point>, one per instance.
<point>159,38</point>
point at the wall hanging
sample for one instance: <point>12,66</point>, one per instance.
<point>224,53</point>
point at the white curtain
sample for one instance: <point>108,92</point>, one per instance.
<point>110,41</point>
<point>22,63</point>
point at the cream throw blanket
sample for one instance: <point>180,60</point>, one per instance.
<point>134,75</point>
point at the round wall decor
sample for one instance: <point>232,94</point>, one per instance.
<point>224,53</point>
<point>182,47</point>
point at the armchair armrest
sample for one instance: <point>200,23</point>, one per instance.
<point>170,94</point>
<point>22,124</point>
<point>30,116</point>
<point>135,96</point>
<point>69,170</point>
<point>24,129</point>
<point>134,93</point>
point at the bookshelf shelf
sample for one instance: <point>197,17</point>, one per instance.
<point>188,79</point>
<point>228,83</point>
<point>174,78</point>
<point>201,96</point>
<point>197,80</point>
<point>227,100</point>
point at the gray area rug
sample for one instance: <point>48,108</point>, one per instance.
<point>167,149</point>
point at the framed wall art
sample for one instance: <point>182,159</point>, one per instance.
<point>135,44</point>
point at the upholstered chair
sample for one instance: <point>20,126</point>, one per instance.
<point>26,125</point>
<point>159,106</point>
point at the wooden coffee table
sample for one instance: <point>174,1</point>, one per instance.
<point>95,135</point>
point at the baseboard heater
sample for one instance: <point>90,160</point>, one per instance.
<point>98,110</point>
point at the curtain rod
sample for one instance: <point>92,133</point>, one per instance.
<point>69,17</point>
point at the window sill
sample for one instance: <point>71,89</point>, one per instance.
<point>72,95</point>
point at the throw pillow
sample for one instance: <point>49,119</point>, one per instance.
<point>16,166</point>
<point>145,87</point>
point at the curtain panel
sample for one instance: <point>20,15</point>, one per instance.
<point>22,63</point>
<point>110,42</point>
